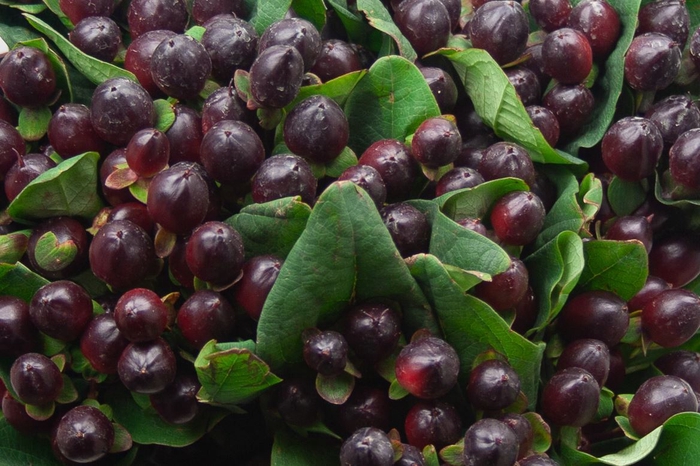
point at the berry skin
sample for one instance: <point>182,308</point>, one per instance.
<point>427,368</point>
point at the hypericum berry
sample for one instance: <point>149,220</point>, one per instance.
<point>36,379</point>
<point>408,227</point>
<point>436,142</point>
<point>432,423</point>
<point>61,309</point>
<point>657,399</point>
<point>326,352</point>
<point>27,78</point>
<point>147,367</point>
<point>140,315</point>
<point>594,314</point>
<point>177,403</point>
<point>372,329</point>
<point>672,317</point>
<point>490,442</point>
<point>206,315</point>
<point>632,147</point>
<point>589,354</point>
<point>317,129</point>
<point>297,33</point>
<point>517,217</point>
<point>571,397</point>
<point>427,368</point>
<point>600,23</point>
<point>18,335</point>
<point>368,446</point>
<point>215,253</point>
<point>567,56</point>
<point>500,28</point>
<point>652,62</point>
<point>84,434</point>
<point>683,364</point>
<point>425,23</point>
<point>102,343</point>
<point>493,385</point>
<point>506,289</point>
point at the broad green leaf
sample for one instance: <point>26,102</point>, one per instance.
<point>34,122</point>
<point>379,18</point>
<point>344,255</point>
<point>40,413</point>
<point>472,327</point>
<point>461,247</point>
<point>53,256</point>
<point>554,271</point>
<point>17,280</point>
<point>55,8</point>
<point>476,202</point>
<point>608,86</point>
<point>272,227</point>
<point>13,246</point>
<point>95,70</point>
<point>231,376</point>
<point>625,196</point>
<point>337,89</point>
<point>358,30</point>
<point>390,101</point>
<point>498,105</point>
<point>575,205</point>
<point>290,449</point>
<point>13,29</point>
<point>267,12</point>
<point>342,162</point>
<point>431,456</point>
<point>165,115</point>
<point>70,188</point>
<point>17,448</point>
<point>196,32</point>
<point>617,266</point>
<point>313,11</point>
<point>146,426</point>
<point>34,8</point>
<point>542,434</point>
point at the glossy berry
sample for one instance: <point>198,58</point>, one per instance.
<point>550,14</point>
<point>506,159</point>
<point>369,179</point>
<point>427,368</point>
<point>77,10</point>
<point>120,108</point>
<point>594,314</point>
<point>297,402</point>
<point>372,329</point>
<point>326,352</point>
<point>458,178</point>
<point>632,147</point>
<point>205,316</point>
<point>276,75</point>
<point>18,335</point>
<point>203,10</point>
<point>684,167</point>
<point>425,23</point>
<point>26,169</point>
<point>393,160</point>
<point>683,364</point>
<point>189,58</point>
<point>652,62</point>
<point>674,115</point>
<point>61,309</point>
<point>36,379</point>
<point>600,22</point>
<point>295,32</point>
<point>571,397</point>
<point>526,83</point>
<point>97,36</point>
<point>121,254</point>
<point>518,217</point>
<point>631,227</point>
<point>215,253</point>
<point>317,129</point>
<point>669,17</point>
<point>140,315</point>
<point>436,142</point>
<point>589,354</point>
<point>408,227</point>
<point>567,56</point>
<point>138,58</point>
<point>652,287</point>
<point>231,43</point>
<point>84,434</point>
<point>500,28</point>
<point>27,77</point>
<point>367,446</point>
<point>223,104</point>
<point>505,289</point>
<point>572,104</point>
<point>675,259</point>
<point>672,317</point>
<point>493,385</point>
<point>337,57</point>
<point>259,275</point>
<point>545,120</point>
<point>282,176</point>
<point>102,343</point>
<point>657,399</point>
<point>432,423</point>
<point>147,367</point>
<point>71,133</point>
<point>442,86</point>
<point>523,431</point>
<point>490,442</point>
<point>366,407</point>
<point>150,15</point>
<point>177,403</point>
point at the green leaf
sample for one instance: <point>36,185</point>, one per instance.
<point>95,70</point>
<point>53,256</point>
<point>17,280</point>
<point>605,404</point>
<point>55,8</point>
<point>396,391</point>
<point>337,89</point>
<point>476,202</point>
<point>69,393</point>
<point>342,162</point>
<point>147,428</point>
<point>461,247</point>
<point>617,266</point>
<point>575,206</point>
<point>608,86</point>
<point>347,252</point>
<point>290,449</point>
<point>165,115</point>
<point>196,32</point>
<point>625,196</point>
<point>231,376</point>
<point>431,456</point>
<point>379,18</point>
<point>40,413</point>
<point>67,189</point>
<point>554,271</point>
<point>13,246</point>
<point>267,12</point>
<point>335,389</point>
<point>472,327</point>
<point>17,448</point>
<point>453,454</point>
<point>13,28</point>
<point>358,30</point>
<point>35,8</point>
<point>542,434</point>
<point>390,101</point>
<point>498,105</point>
<point>272,227</point>
<point>34,122</point>
<point>313,11</point>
